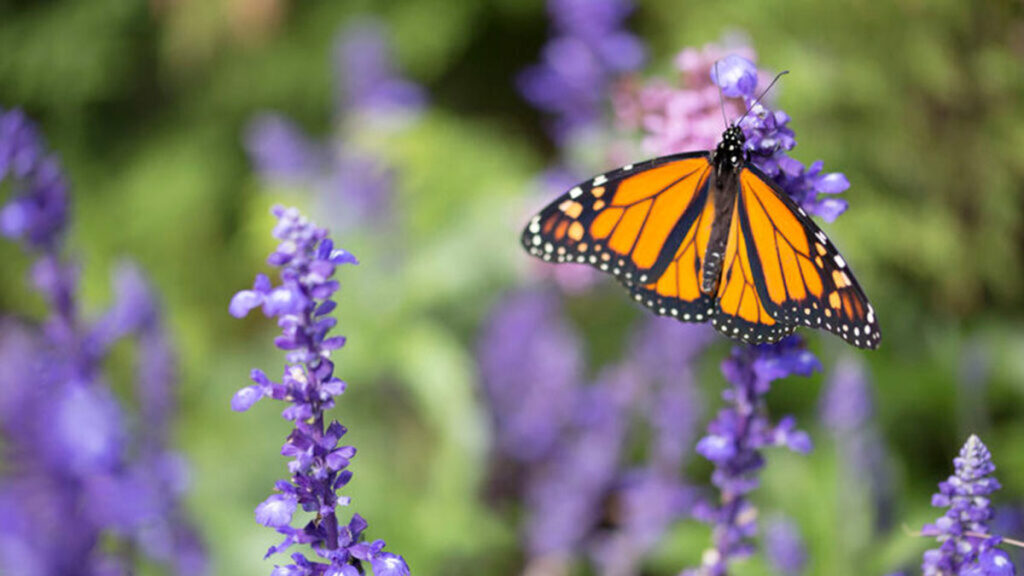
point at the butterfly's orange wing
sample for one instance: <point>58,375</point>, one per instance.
<point>739,309</point>
<point>800,276</point>
<point>646,224</point>
<point>676,291</point>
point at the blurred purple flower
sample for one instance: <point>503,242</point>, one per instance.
<point>37,214</point>
<point>307,260</point>
<point>847,409</point>
<point>281,152</point>
<point>652,496</point>
<point>784,547</point>
<point>1009,519</point>
<point>966,544</point>
<point>531,365</point>
<point>565,496</point>
<point>847,404</point>
<point>352,185</point>
<point>589,51</point>
<point>567,437</point>
<point>367,81</point>
<point>83,473</point>
<point>663,352</point>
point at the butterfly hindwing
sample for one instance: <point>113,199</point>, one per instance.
<point>628,222</point>
<point>740,311</point>
<point>801,277</point>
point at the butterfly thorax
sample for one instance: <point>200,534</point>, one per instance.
<point>730,155</point>
<point>728,158</point>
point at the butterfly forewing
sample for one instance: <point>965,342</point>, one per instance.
<point>628,222</point>
<point>676,292</point>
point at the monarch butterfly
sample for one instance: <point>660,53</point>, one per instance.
<point>706,236</point>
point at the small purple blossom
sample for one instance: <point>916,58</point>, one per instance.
<point>365,73</point>
<point>991,562</point>
<point>735,75</point>
<point>339,171</point>
<point>307,260</point>
<point>966,544</point>
<point>589,51</point>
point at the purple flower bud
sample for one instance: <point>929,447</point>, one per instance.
<point>245,398</point>
<point>735,75</point>
<point>243,302</point>
<point>993,562</point>
<point>716,448</point>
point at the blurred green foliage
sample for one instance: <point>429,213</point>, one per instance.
<point>919,103</point>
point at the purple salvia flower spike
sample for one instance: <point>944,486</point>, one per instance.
<point>966,543</point>
<point>307,260</point>
<point>735,75</point>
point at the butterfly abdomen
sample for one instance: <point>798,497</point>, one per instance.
<point>723,194</point>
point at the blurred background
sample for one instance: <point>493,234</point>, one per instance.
<point>424,133</point>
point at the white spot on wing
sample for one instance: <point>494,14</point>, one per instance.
<point>599,180</point>
<point>840,262</point>
<point>575,192</point>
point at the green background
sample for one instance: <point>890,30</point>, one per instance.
<point>918,103</point>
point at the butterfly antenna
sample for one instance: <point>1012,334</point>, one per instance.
<point>721,100</point>
<point>758,100</point>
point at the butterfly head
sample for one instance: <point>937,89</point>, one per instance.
<point>730,152</point>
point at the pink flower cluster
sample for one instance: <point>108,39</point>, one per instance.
<point>684,116</point>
